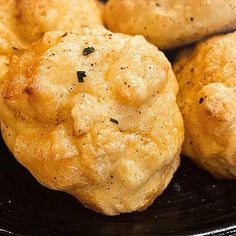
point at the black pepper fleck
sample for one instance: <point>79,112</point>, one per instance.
<point>201,100</point>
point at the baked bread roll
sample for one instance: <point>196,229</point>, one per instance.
<point>24,21</point>
<point>38,17</point>
<point>94,114</point>
<point>29,19</point>
<point>207,99</point>
<point>171,23</point>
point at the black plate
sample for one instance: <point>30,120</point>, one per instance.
<point>194,203</point>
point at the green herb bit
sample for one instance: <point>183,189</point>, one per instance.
<point>81,75</point>
<point>114,121</point>
<point>88,50</point>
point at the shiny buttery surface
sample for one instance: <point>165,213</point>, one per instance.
<point>28,208</point>
<point>155,19</point>
<point>207,100</point>
<point>112,140</point>
<point>194,203</point>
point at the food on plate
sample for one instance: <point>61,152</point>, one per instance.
<point>24,21</point>
<point>171,23</point>
<point>30,19</point>
<point>207,99</point>
<point>38,17</point>
<point>94,114</point>
<point>9,40</point>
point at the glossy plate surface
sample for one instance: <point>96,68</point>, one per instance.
<point>194,204</point>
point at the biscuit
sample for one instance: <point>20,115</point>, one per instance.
<point>25,21</point>
<point>170,23</point>
<point>207,99</point>
<point>94,114</point>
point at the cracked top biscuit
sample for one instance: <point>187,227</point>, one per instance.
<point>207,99</point>
<point>30,19</point>
<point>94,114</point>
<point>170,23</point>
<point>25,21</point>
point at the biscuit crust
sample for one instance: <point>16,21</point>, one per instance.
<point>104,126</point>
<point>170,23</point>
<point>25,21</point>
<point>207,99</point>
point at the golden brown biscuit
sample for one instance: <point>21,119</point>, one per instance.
<point>94,115</point>
<point>8,37</point>
<point>24,21</point>
<point>37,17</point>
<point>171,23</point>
<point>30,19</point>
<point>9,40</point>
<point>207,99</point>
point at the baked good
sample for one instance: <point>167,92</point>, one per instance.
<point>28,20</point>
<point>24,21</point>
<point>207,99</point>
<point>94,114</point>
<point>38,17</point>
<point>170,23</point>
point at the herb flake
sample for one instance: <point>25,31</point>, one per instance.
<point>88,50</point>
<point>114,121</point>
<point>81,75</point>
